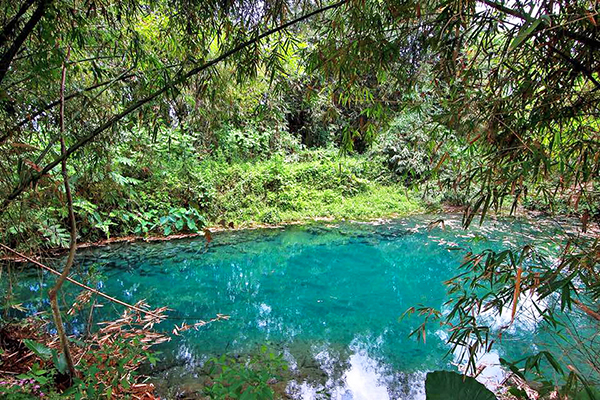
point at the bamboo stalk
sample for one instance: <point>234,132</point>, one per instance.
<point>587,310</point>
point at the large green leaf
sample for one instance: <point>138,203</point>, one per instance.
<point>38,349</point>
<point>524,33</point>
<point>591,393</point>
<point>447,385</point>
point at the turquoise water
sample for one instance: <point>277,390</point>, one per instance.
<point>329,297</point>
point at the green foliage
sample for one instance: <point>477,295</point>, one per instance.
<point>37,383</point>
<point>236,378</point>
<point>180,218</point>
<point>448,385</point>
<point>43,377</point>
<point>253,142</point>
<point>588,394</point>
<point>491,103</point>
<point>176,192</point>
<point>488,282</point>
<point>54,233</point>
<point>91,217</point>
<point>105,372</point>
<point>38,349</point>
<point>405,149</point>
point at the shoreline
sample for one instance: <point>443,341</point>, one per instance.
<point>445,210</point>
<point>55,252</point>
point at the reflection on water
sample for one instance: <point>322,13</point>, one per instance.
<point>358,377</point>
<point>328,297</point>
<point>317,371</point>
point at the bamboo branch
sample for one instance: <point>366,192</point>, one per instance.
<point>577,65</point>
<point>48,106</point>
<point>55,103</point>
<point>587,310</point>
<point>8,29</point>
<point>588,41</point>
<point>81,285</point>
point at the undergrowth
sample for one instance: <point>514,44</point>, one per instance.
<point>107,362</point>
<point>156,193</point>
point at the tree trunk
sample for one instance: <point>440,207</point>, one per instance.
<point>64,343</point>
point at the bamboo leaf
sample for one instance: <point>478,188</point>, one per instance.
<point>525,31</point>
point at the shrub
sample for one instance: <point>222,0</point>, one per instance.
<point>235,378</point>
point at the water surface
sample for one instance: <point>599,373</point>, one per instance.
<point>329,297</point>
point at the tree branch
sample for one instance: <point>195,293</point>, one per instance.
<point>124,76</point>
<point>577,65</point>
<point>591,42</point>
<point>81,285</point>
<point>587,310</point>
<point>116,118</point>
<point>55,103</point>
<point>506,10</point>
<point>8,29</point>
<point>8,56</point>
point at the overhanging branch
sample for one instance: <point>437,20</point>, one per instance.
<point>124,76</point>
<point>8,29</point>
<point>588,41</point>
<point>12,51</point>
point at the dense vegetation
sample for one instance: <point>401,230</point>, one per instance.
<point>162,188</point>
<point>150,118</point>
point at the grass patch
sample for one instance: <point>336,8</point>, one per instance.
<point>341,188</point>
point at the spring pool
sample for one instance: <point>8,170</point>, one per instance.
<point>329,297</point>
